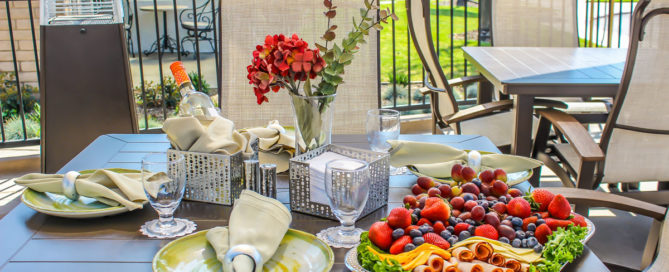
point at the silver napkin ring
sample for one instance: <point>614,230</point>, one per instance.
<point>247,250</point>
<point>69,189</point>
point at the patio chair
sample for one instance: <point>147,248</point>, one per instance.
<point>493,119</point>
<point>544,23</point>
<point>635,142</point>
<point>127,25</point>
<point>245,26</point>
<point>205,25</point>
<point>655,256</point>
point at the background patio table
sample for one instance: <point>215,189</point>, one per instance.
<point>529,72</point>
<point>165,41</point>
<point>31,241</point>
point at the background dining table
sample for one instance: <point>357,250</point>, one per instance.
<point>32,241</point>
<point>529,72</point>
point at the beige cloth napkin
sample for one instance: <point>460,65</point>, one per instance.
<point>255,220</point>
<point>108,187</point>
<point>436,160</point>
<point>220,136</point>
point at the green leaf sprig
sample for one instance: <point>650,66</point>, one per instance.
<point>371,262</point>
<point>563,246</point>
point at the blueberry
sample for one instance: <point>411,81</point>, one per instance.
<point>418,241</point>
<point>415,233</point>
<point>481,195</point>
<point>397,233</point>
<point>416,211</point>
<point>538,248</point>
<point>532,242</point>
<point>459,220</point>
<point>477,182</point>
<point>508,217</point>
<point>452,240</point>
<point>517,222</point>
<point>524,243</point>
<point>538,215</point>
<point>424,228</point>
<point>529,234</point>
<point>450,229</point>
<point>502,199</point>
<point>470,222</point>
<point>445,234</point>
<point>540,222</point>
<point>516,242</point>
<point>531,227</point>
<point>504,239</point>
<point>518,228</point>
<point>468,197</point>
<point>409,247</point>
<point>471,229</point>
<point>414,218</point>
<point>464,235</point>
<point>430,229</point>
<point>520,234</point>
<point>452,221</point>
<point>491,203</point>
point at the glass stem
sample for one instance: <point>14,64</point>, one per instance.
<point>166,220</point>
<point>347,228</point>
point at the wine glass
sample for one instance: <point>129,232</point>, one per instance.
<point>164,182</point>
<point>347,188</point>
<point>383,125</point>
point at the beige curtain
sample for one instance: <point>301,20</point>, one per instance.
<point>534,23</point>
<point>245,23</point>
<point>638,156</point>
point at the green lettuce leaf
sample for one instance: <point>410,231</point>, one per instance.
<point>372,262</point>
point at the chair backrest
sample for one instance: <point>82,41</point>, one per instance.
<point>245,25</point>
<point>534,23</point>
<point>636,137</point>
<point>418,15</point>
<point>203,13</point>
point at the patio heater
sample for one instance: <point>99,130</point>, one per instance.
<point>85,84</point>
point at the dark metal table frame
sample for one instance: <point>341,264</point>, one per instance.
<point>167,42</point>
<point>31,241</point>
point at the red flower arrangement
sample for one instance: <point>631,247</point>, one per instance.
<point>282,62</point>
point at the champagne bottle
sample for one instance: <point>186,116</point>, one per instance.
<point>193,103</point>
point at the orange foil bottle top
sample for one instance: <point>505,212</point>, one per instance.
<point>179,72</point>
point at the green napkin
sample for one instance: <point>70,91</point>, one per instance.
<point>108,187</point>
<point>436,160</point>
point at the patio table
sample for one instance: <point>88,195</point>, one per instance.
<point>33,241</point>
<point>165,41</point>
<point>529,72</point>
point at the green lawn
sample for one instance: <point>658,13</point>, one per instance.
<point>404,60</point>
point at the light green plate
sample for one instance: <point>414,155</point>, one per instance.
<point>298,251</point>
<point>61,206</point>
<point>512,178</point>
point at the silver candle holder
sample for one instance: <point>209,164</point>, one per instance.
<point>260,178</point>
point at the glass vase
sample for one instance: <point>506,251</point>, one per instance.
<point>313,121</point>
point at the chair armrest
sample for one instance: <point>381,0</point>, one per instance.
<point>479,110</point>
<point>549,103</point>
<point>591,198</point>
<point>575,133</point>
<point>453,82</point>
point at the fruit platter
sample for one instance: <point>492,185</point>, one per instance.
<point>476,224</point>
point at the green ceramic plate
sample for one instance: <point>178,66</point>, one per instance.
<point>61,206</point>
<point>298,251</point>
<point>512,178</point>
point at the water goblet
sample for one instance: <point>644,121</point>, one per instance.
<point>164,182</point>
<point>383,125</point>
<point>347,188</point>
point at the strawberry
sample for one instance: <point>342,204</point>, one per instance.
<point>531,219</point>
<point>553,223</point>
<point>398,246</point>
<point>439,227</point>
<point>435,239</point>
<point>381,235</point>
<point>460,227</point>
<point>544,214</point>
<point>518,207</point>
<point>541,197</point>
<point>559,208</point>
<point>423,221</point>
<point>399,218</point>
<point>487,231</point>
<point>436,210</point>
<point>542,233</point>
<point>409,228</point>
<point>578,220</point>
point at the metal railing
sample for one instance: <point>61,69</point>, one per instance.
<point>470,25</point>
<point>454,23</point>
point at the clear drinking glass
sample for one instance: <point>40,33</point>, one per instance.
<point>347,188</point>
<point>383,125</point>
<point>164,183</point>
